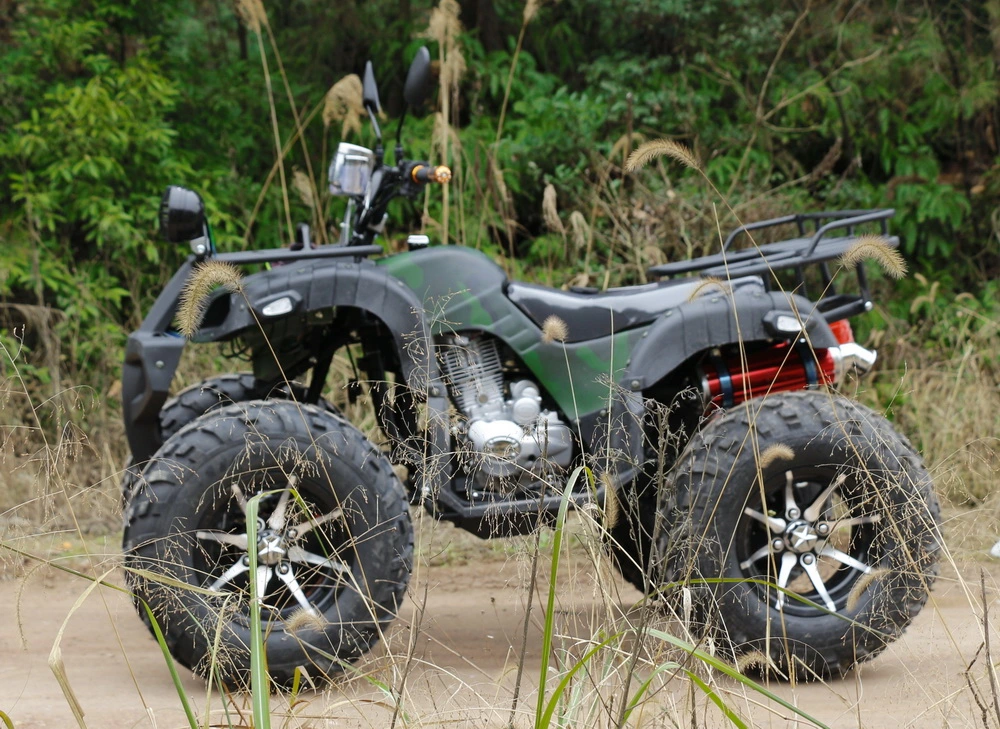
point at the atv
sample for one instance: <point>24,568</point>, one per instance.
<point>726,465</point>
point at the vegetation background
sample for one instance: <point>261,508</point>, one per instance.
<point>792,105</point>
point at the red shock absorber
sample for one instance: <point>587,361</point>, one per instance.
<point>727,381</point>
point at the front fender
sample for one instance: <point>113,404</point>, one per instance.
<point>313,288</point>
<point>153,352</point>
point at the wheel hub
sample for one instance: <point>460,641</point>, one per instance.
<point>801,537</point>
<point>284,562</point>
<point>271,549</point>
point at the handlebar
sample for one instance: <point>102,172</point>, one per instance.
<point>422,174</point>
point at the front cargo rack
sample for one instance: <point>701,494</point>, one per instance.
<point>816,247</point>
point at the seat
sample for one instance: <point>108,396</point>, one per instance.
<point>594,315</point>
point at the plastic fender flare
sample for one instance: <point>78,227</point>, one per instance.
<point>677,335</point>
<point>313,287</point>
<point>152,355</point>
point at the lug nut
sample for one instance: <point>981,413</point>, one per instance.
<point>778,545</point>
<point>823,529</point>
<point>794,513</point>
<point>292,534</point>
<point>283,568</point>
<point>246,560</point>
<point>808,559</point>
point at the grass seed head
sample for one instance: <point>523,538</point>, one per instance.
<point>753,659</point>
<point>776,452</point>
<point>252,14</point>
<point>611,507</point>
<point>194,298</point>
<point>580,230</point>
<point>710,283</point>
<point>304,620</point>
<point>656,148</point>
<point>530,9</point>
<point>877,248</point>
<point>550,211</point>
<point>444,25</point>
<point>344,102</point>
<point>302,185</point>
<point>554,329</point>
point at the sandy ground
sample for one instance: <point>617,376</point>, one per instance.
<point>464,658</point>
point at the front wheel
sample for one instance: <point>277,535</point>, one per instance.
<point>820,521</point>
<point>333,548</point>
<point>194,401</point>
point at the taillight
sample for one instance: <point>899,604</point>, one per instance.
<point>842,331</point>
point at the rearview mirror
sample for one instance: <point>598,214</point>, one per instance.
<point>182,215</point>
<point>419,80</point>
<point>370,90</point>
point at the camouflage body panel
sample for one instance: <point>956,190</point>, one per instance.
<point>463,290</point>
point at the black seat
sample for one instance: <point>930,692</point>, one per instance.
<point>594,315</point>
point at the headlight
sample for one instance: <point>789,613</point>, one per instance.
<point>351,169</point>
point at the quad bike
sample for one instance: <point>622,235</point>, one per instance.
<point>727,465</point>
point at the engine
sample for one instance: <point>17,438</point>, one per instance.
<point>510,442</point>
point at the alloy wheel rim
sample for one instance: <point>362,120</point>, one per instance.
<point>303,557</point>
<point>808,541</point>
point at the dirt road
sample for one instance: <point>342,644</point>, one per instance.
<point>464,660</point>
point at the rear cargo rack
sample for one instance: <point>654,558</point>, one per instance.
<point>832,235</point>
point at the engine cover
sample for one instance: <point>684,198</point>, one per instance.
<point>508,444</point>
<point>508,448</point>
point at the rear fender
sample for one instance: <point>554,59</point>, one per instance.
<point>744,315</point>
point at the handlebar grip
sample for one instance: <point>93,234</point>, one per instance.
<point>423,174</point>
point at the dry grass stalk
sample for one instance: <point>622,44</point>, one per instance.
<point>445,27</point>
<point>530,8</point>
<point>550,211</point>
<point>649,151</point>
<point>194,297</point>
<point>500,184</point>
<point>878,249</point>
<point>554,329</point>
<point>861,585</point>
<point>776,452</point>
<point>444,136</point>
<point>344,102</point>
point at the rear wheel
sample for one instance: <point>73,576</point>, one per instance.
<point>333,549</point>
<point>820,519</point>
